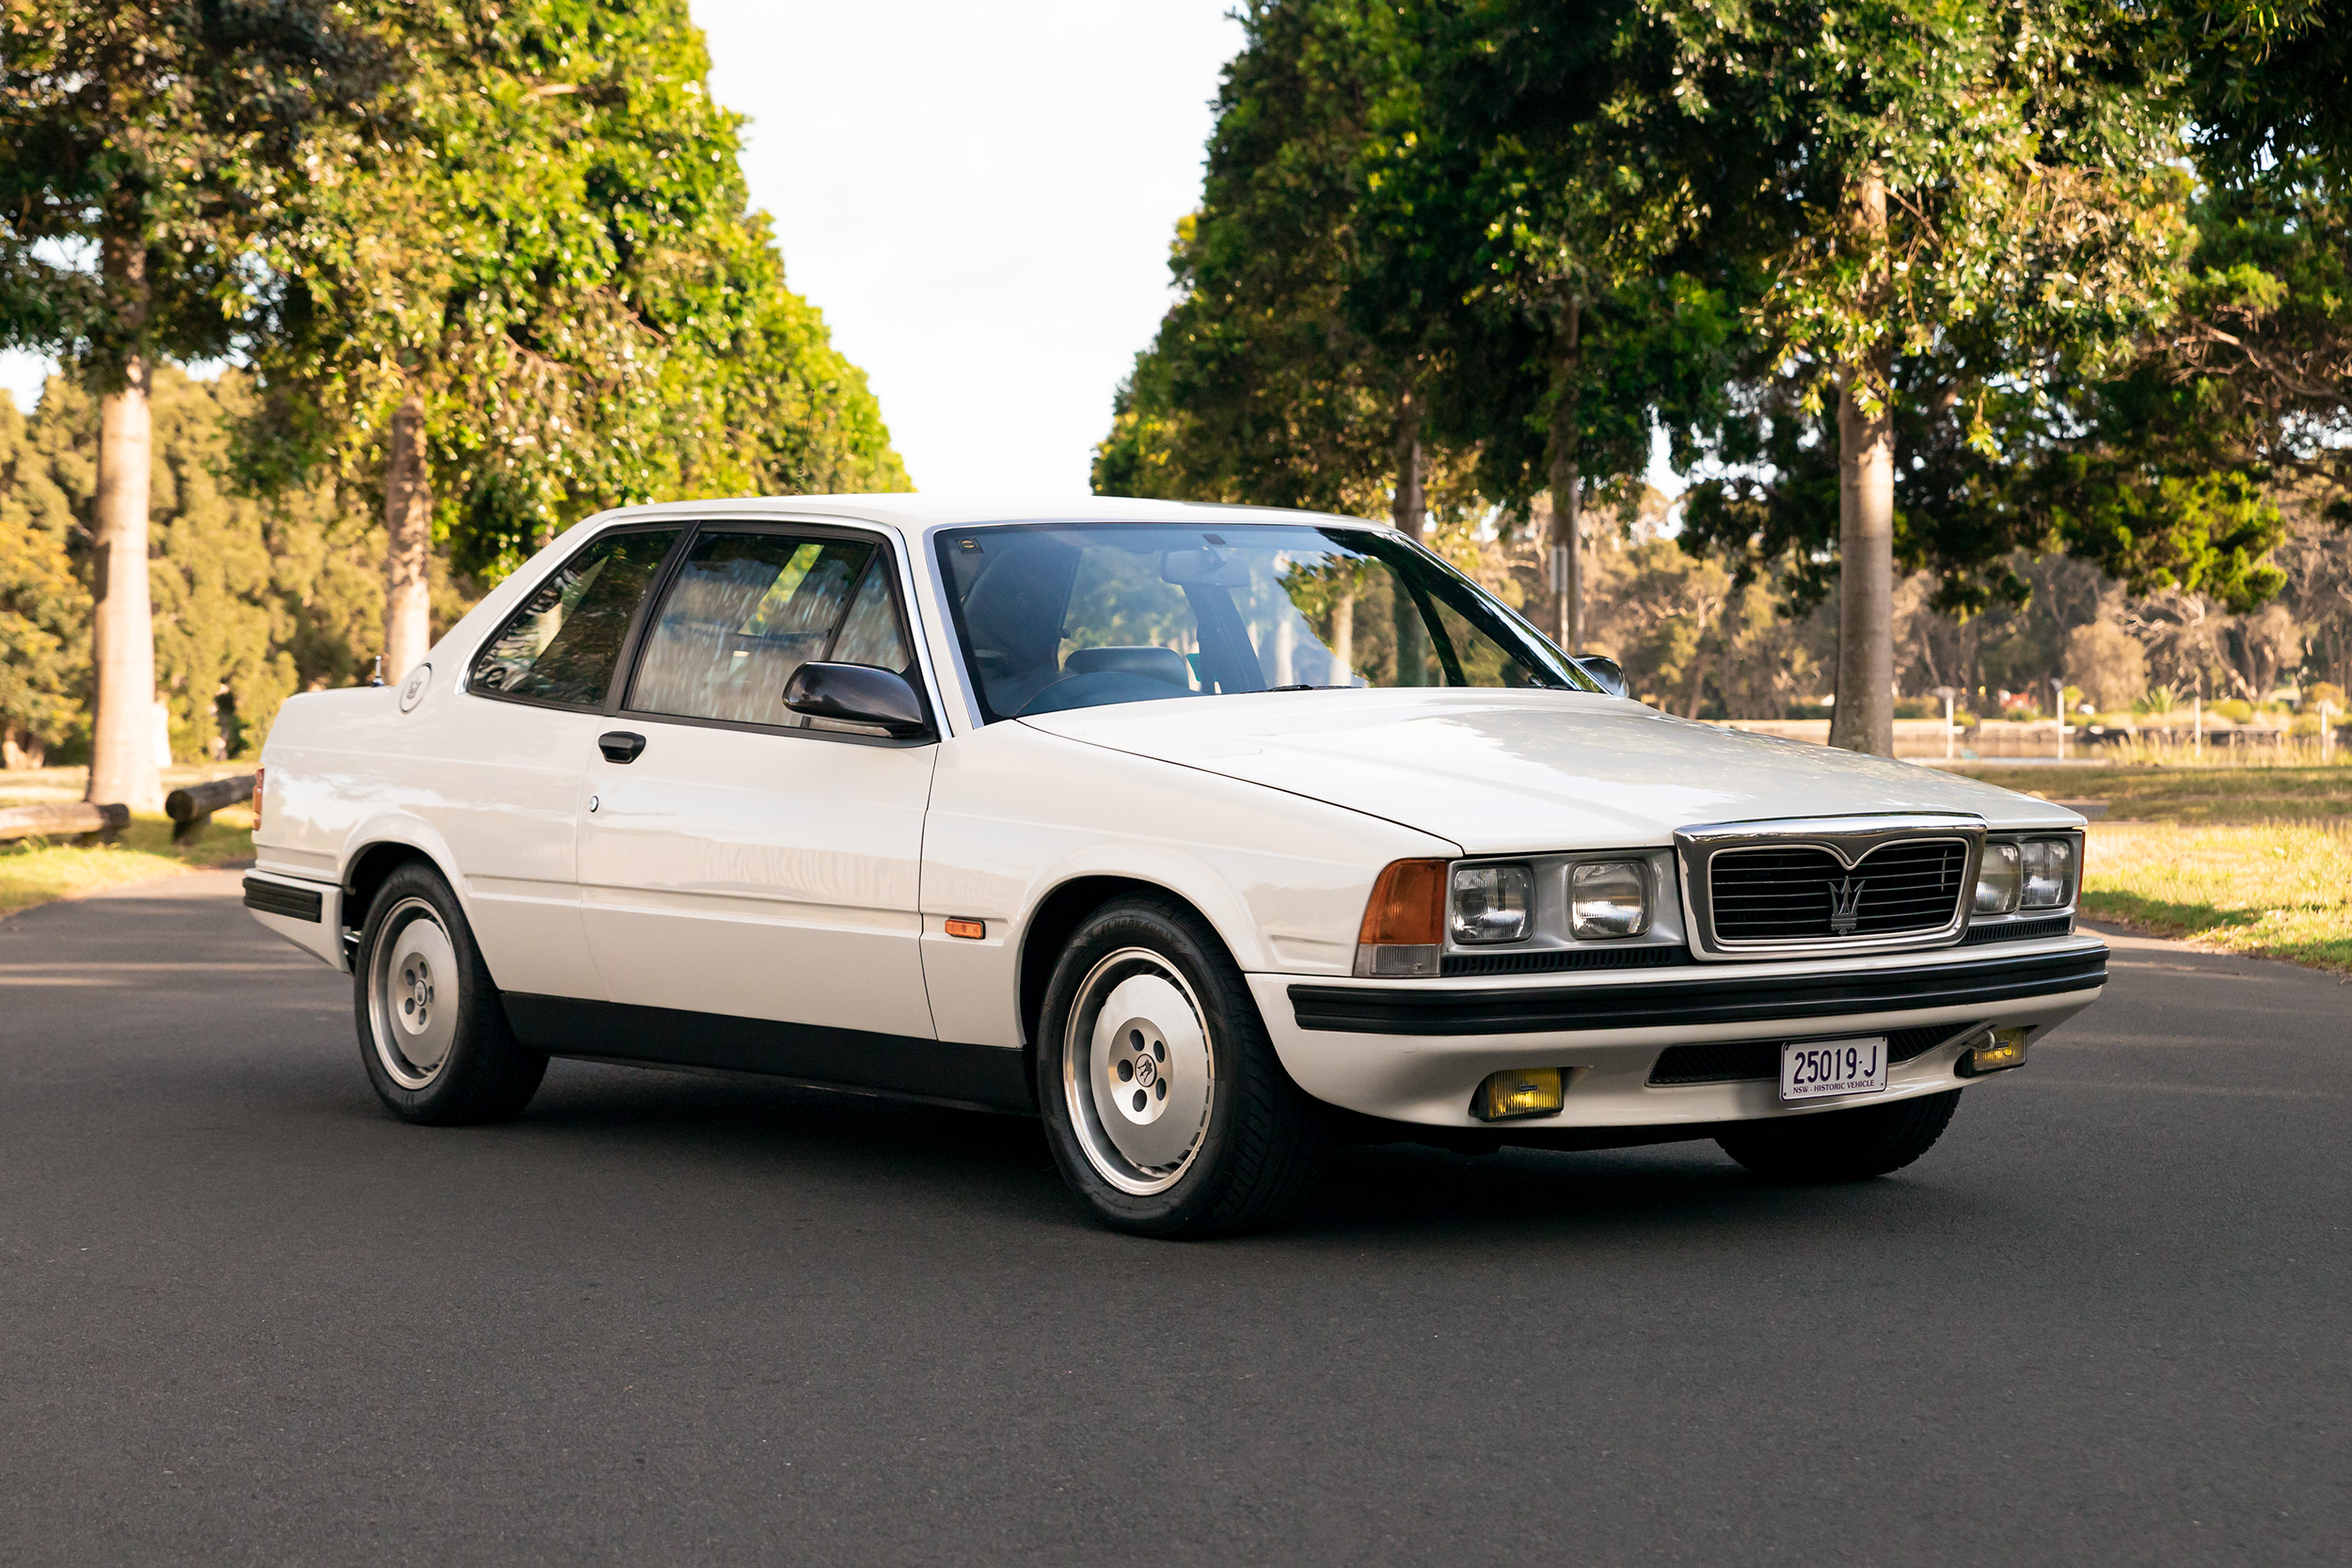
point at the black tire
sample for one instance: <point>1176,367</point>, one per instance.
<point>1257,1147</point>
<point>1842,1146</point>
<point>481,1073</point>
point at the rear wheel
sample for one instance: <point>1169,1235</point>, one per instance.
<point>432,1033</point>
<point>1842,1146</point>
<point>1166,1106</point>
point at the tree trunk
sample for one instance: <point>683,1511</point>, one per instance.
<point>1568,487</point>
<point>1408,510</point>
<point>408,545</point>
<point>122,727</point>
<point>1863,718</point>
<point>1411,505</point>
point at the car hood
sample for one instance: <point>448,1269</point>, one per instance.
<point>1505,772</point>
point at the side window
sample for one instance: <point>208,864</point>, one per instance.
<point>874,634</point>
<point>747,609</point>
<point>562,645</point>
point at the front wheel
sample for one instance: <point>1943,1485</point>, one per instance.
<point>432,1032</point>
<point>1842,1146</point>
<point>1167,1111</point>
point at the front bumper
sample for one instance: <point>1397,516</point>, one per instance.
<point>1416,1050</point>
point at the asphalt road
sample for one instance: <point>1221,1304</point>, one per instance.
<point>245,1315</point>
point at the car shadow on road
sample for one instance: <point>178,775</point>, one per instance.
<point>1400,1190</point>
<point>956,1161</point>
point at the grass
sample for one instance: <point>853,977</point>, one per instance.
<point>2277,890</point>
<point>2242,793</point>
<point>2251,856</point>
<point>34,871</point>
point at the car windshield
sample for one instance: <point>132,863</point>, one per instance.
<point>1079,615</point>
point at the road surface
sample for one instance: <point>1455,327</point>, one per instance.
<point>245,1315</point>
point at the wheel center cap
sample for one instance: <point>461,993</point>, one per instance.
<point>1147,1070</point>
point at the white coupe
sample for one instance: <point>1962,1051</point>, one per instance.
<point>1210,835</point>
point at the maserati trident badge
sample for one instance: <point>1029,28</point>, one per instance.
<point>1845,905</point>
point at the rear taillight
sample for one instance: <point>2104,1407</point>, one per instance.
<point>257,799</point>
<point>1403,922</point>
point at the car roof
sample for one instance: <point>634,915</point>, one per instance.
<point>918,514</point>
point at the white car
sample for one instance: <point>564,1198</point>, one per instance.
<point>1208,834</point>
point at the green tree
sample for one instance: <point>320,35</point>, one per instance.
<point>2253,376</point>
<point>44,609</point>
<point>1562,331</point>
<point>144,150</point>
<point>1984,189</point>
<point>255,596</point>
<point>1259,386</point>
<point>554,300</point>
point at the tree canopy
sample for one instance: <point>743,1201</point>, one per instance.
<point>1935,285</point>
<point>488,269</point>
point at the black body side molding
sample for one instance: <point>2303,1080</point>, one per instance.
<point>985,1077</point>
<point>278,898</point>
<point>1715,999</point>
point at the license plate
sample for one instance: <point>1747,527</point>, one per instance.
<point>1823,1067</point>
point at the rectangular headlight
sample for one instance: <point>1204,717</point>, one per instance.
<point>1492,903</point>
<point>1998,880</point>
<point>2050,872</point>
<point>1608,899</point>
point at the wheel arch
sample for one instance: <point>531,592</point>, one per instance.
<point>1059,914</point>
<point>370,863</point>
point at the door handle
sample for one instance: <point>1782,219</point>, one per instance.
<point>620,745</point>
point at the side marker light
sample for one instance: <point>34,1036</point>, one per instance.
<point>974,929</point>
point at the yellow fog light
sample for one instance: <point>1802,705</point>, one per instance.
<point>1527,1091</point>
<point>2004,1048</point>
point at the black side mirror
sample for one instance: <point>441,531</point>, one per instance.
<point>857,694</point>
<point>1604,671</point>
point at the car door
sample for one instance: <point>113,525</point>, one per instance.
<point>737,859</point>
<point>513,749</point>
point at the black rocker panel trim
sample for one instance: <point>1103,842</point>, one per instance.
<point>1732,999</point>
<point>295,903</point>
<point>988,1076</point>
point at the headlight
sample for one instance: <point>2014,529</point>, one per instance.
<point>1997,880</point>
<point>1608,899</point>
<point>1492,903</point>
<point>2049,871</point>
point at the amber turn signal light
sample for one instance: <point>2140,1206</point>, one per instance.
<point>974,929</point>
<point>1403,922</point>
<point>1527,1091</point>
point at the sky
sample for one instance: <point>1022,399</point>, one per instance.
<point>980,200</point>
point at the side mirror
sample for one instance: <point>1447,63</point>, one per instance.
<point>857,694</point>
<point>1604,671</point>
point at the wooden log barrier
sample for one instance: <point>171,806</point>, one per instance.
<point>191,808</point>
<point>72,819</point>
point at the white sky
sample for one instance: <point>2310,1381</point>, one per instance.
<point>980,200</point>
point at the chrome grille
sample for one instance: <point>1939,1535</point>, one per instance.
<point>1802,893</point>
